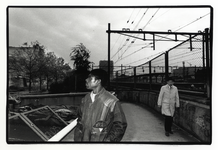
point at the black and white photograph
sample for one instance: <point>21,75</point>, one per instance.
<point>119,74</point>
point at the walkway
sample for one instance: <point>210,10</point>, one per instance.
<point>146,125</point>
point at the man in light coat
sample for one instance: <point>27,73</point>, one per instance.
<point>168,99</point>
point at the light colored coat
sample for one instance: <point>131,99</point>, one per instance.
<point>168,99</point>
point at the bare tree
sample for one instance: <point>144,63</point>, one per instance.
<point>25,60</point>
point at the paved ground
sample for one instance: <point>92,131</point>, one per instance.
<point>146,125</point>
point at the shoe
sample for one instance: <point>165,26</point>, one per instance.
<point>171,132</point>
<point>167,134</point>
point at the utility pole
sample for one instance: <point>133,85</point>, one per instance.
<point>166,64</point>
<point>109,55</point>
<point>208,65</point>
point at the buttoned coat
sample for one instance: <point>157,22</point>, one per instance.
<point>168,99</point>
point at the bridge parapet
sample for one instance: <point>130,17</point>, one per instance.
<point>53,99</point>
<point>193,117</point>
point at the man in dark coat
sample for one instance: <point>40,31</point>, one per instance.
<point>100,116</point>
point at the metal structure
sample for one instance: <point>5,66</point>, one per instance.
<point>37,125</point>
<point>191,38</point>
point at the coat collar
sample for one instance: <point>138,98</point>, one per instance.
<point>167,86</point>
<point>101,91</point>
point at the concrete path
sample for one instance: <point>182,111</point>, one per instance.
<point>146,125</point>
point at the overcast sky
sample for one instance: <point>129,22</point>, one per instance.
<point>60,29</point>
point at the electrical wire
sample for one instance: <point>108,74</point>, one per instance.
<point>187,24</point>
<point>142,29</point>
<point>133,52</point>
<point>141,18</point>
<point>130,15</point>
<point>122,38</point>
<point>134,29</point>
<point>128,39</point>
<point>151,18</point>
<point>167,35</point>
<point>191,22</point>
<point>160,15</point>
<point>135,17</point>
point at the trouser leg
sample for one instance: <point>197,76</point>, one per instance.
<point>165,123</point>
<point>168,123</point>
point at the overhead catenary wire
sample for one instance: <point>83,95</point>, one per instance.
<point>141,18</point>
<point>130,15</point>
<point>135,17</point>
<point>134,29</point>
<point>122,38</point>
<point>128,39</point>
<point>191,22</point>
<point>181,27</point>
<point>120,48</point>
<point>114,45</point>
<point>141,59</point>
<point>151,18</point>
<point>175,30</point>
<point>134,52</point>
<point>160,15</point>
<point>186,55</point>
<point>142,29</point>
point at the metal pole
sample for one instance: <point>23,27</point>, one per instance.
<point>183,64</point>
<point>203,53</point>
<point>153,42</point>
<point>121,69</point>
<point>109,55</point>
<point>166,65</point>
<point>208,72</point>
<point>150,78</point>
<point>190,40</point>
<point>134,69</point>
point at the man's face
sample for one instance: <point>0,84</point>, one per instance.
<point>170,82</point>
<point>91,82</point>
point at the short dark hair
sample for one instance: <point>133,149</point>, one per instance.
<point>169,78</point>
<point>100,74</point>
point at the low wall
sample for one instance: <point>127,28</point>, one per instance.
<point>52,99</point>
<point>191,116</point>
